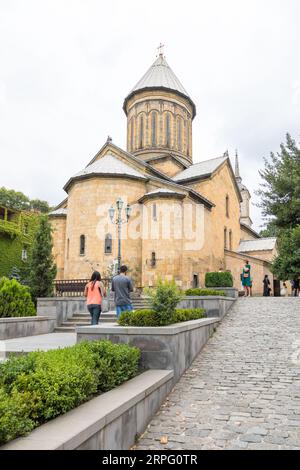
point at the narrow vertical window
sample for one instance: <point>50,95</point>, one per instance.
<point>230,240</point>
<point>225,238</point>
<point>131,133</point>
<point>141,132</point>
<point>108,243</point>
<point>168,131</point>
<point>227,206</point>
<point>82,245</point>
<point>153,259</point>
<point>154,212</point>
<point>68,248</point>
<point>179,135</point>
<point>153,128</point>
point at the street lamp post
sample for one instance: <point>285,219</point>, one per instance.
<point>119,221</point>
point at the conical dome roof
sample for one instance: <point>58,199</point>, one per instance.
<point>160,75</point>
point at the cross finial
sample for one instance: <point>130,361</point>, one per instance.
<point>160,49</point>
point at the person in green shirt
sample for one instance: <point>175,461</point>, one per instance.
<point>246,279</point>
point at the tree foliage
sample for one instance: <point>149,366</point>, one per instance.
<point>18,201</point>
<point>42,269</point>
<point>287,264</point>
<point>280,190</point>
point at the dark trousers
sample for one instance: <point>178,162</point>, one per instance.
<point>95,311</point>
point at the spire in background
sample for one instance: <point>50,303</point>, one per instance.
<point>237,168</point>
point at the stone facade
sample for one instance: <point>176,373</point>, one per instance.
<point>178,229</point>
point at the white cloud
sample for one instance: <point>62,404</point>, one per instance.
<point>66,66</point>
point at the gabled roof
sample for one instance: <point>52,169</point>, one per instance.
<point>250,230</point>
<point>200,170</point>
<point>160,75</point>
<point>162,192</point>
<point>107,165</point>
<point>262,244</point>
<point>59,213</point>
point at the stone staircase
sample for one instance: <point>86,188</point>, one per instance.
<point>84,319</point>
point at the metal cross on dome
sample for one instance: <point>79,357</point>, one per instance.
<point>160,49</point>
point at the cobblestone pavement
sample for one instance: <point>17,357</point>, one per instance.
<point>243,390</point>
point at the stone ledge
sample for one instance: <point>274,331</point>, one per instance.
<point>176,328</point>
<point>102,422</point>
<point>23,319</point>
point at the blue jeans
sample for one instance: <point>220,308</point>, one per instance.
<point>95,311</point>
<point>123,308</point>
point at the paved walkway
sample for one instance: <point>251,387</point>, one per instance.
<point>243,390</point>
<point>36,343</point>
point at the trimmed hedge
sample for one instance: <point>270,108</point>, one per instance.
<point>42,385</point>
<point>221,279</point>
<point>149,317</point>
<point>15,299</point>
<point>204,292</point>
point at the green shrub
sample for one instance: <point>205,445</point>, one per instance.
<point>221,279</point>
<point>15,299</point>
<point>164,299</point>
<point>43,385</point>
<point>188,314</point>
<point>150,318</point>
<point>204,292</point>
<point>144,317</point>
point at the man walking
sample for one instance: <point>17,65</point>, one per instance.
<point>122,286</point>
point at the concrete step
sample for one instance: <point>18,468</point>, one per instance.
<point>64,329</point>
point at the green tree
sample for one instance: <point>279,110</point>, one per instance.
<point>42,269</point>
<point>287,264</point>
<point>280,190</point>
<point>19,201</point>
<point>271,230</point>
<point>14,199</point>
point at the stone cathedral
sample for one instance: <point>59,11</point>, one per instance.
<point>186,218</point>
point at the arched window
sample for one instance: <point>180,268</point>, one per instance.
<point>131,133</point>
<point>82,245</point>
<point>230,240</point>
<point>153,259</point>
<point>153,129</point>
<point>168,131</point>
<point>225,238</point>
<point>141,138</point>
<point>179,134</point>
<point>108,243</point>
<point>227,206</point>
<point>154,212</point>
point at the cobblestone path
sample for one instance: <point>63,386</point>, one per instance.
<point>243,390</point>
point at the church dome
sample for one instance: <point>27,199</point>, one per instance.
<point>160,76</point>
<point>159,115</point>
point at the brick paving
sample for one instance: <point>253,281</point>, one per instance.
<point>243,390</point>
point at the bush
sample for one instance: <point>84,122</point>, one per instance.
<point>204,292</point>
<point>163,301</point>
<point>150,318</point>
<point>222,279</point>
<point>15,299</point>
<point>42,385</point>
<point>188,314</point>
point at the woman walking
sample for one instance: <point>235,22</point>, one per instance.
<point>94,292</point>
<point>246,279</point>
<point>267,288</point>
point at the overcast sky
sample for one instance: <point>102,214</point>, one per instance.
<point>67,65</point>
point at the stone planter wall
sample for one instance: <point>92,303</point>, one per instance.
<point>169,347</point>
<point>63,308</point>
<point>215,306</point>
<point>110,421</point>
<point>17,327</point>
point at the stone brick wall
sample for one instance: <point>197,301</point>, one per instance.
<point>161,103</point>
